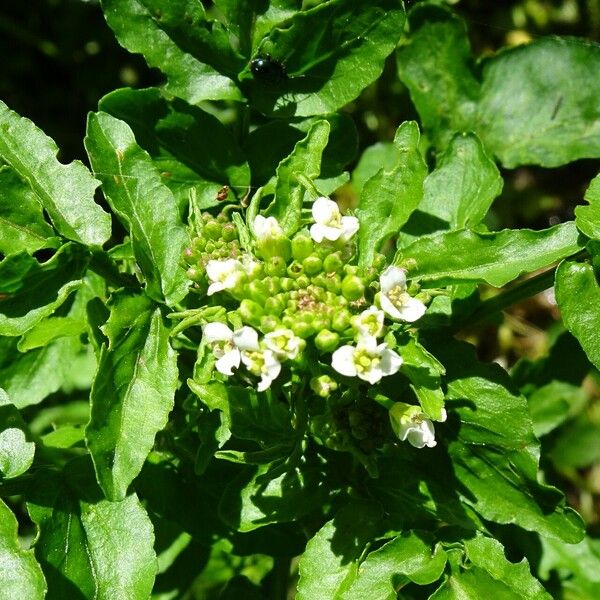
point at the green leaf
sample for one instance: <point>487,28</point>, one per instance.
<point>577,444</point>
<point>587,218</point>
<point>290,195</point>
<point>277,492</point>
<point>146,207</point>
<point>520,102</point>
<point>65,191</point>
<point>497,258</point>
<point>30,291</point>
<point>424,372</point>
<point>172,36</point>
<point>34,375</point>
<point>16,453</point>
<point>330,563</point>
<point>331,53</point>
<point>89,547</point>
<point>488,554</point>
<point>375,157</point>
<point>22,224</point>
<point>407,558</point>
<point>459,192</point>
<point>191,148</point>
<point>20,574</point>
<point>553,404</point>
<point>495,453</point>
<point>390,196</point>
<point>578,297</point>
<point>133,392</point>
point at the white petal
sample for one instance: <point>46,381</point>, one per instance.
<point>411,309</point>
<point>324,210</point>
<point>422,435</point>
<point>215,287</point>
<point>372,375</point>
<point>266,227</point>
<point>388,307</point>
<point>444,416</point>
<point>390,360</point>
<point>342,360</point>
<point>350,226</point>
<point>246,338</point>
<point>392,277</point>
<point>318,231</point>
<point>228,362</point>
<point>216,332</point>
<point>271,370</point>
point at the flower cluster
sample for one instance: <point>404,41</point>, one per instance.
<point>288,294</point>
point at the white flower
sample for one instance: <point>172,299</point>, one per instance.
<point>263,364</point>
<point>220,337</point>
<point>394,298</point>
<point>266,227</point>
<point>283,343</point>
<point>369,323</point>
<point>223,274</point>
<point>329,223</point>
<point>366,360</point>
<point>411,424</point>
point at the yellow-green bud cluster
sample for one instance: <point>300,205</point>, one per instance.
<point>217,239</point>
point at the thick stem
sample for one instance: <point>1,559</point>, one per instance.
<point>521,291</point>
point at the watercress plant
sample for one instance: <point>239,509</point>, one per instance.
<point>232,352</point>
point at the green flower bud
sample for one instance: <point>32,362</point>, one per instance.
<point>352,287</point>
<point>269,323</point>
<point>327,341</point>
<point>198,244</point>
<point>333,263</point>
<point>321,321</point>
<point>333,283</point>
<point>194,274</point>
<point>229,232</point>
<point>323,385</point>
<point>302,282</point>
<point>257,291</point>
<point>275,305</point>
<point>312,265</point>
<point>379,261</point>
<point>341,320</point>
<point>270,247</point>
<point>250,311</point>
<point>350,269</point>
<point>275,266</point>
<point>302,329</point>
<point>210,247</point>
<point>222,217</point>
<point>287,321</point>
<point>273,285</point>
<point>287,284</point>
<point>295,269</point>
<point>213,230</point>
<point>302,247</point>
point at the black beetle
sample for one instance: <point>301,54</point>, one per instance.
<point>267,69</point>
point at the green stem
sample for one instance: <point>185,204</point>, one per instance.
<point>279,578</point>
<point>521,291</point>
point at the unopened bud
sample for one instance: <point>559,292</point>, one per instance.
<point>333,263</point>
<point>352,287</point>
<point>323,385</point>
<point>295,269</point>
<point>212,230</point>
<point>327,341</point>
<point>275,266</point>
<point>229,232</point>
<point>302,247</point>
<point>312,265</point>
<point>250,311</point>
<point>341,320</point>
<point>269,323</point>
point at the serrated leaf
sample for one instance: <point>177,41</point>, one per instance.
<point>289,193</point>
<point>329,564</point>
<point>146,207</point>
<point>133,392</point>
<point>162,32</point>
<point>495,453</point>
<point>497,258</point>
<point>89,547</point>
<point>458,193</point>
<point>191,148</point>
<point>407,558</point>
<point>16,452</point>
<point>20,574</point>
<point>390,196</point>
<point>65,191</point>
<point>32,376</point>
<point>331,52</point>
<point>587,218</point>
<point>521,102</point>
<point>22,224</point>
<point>30,291</point>
<point>578,297</point>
